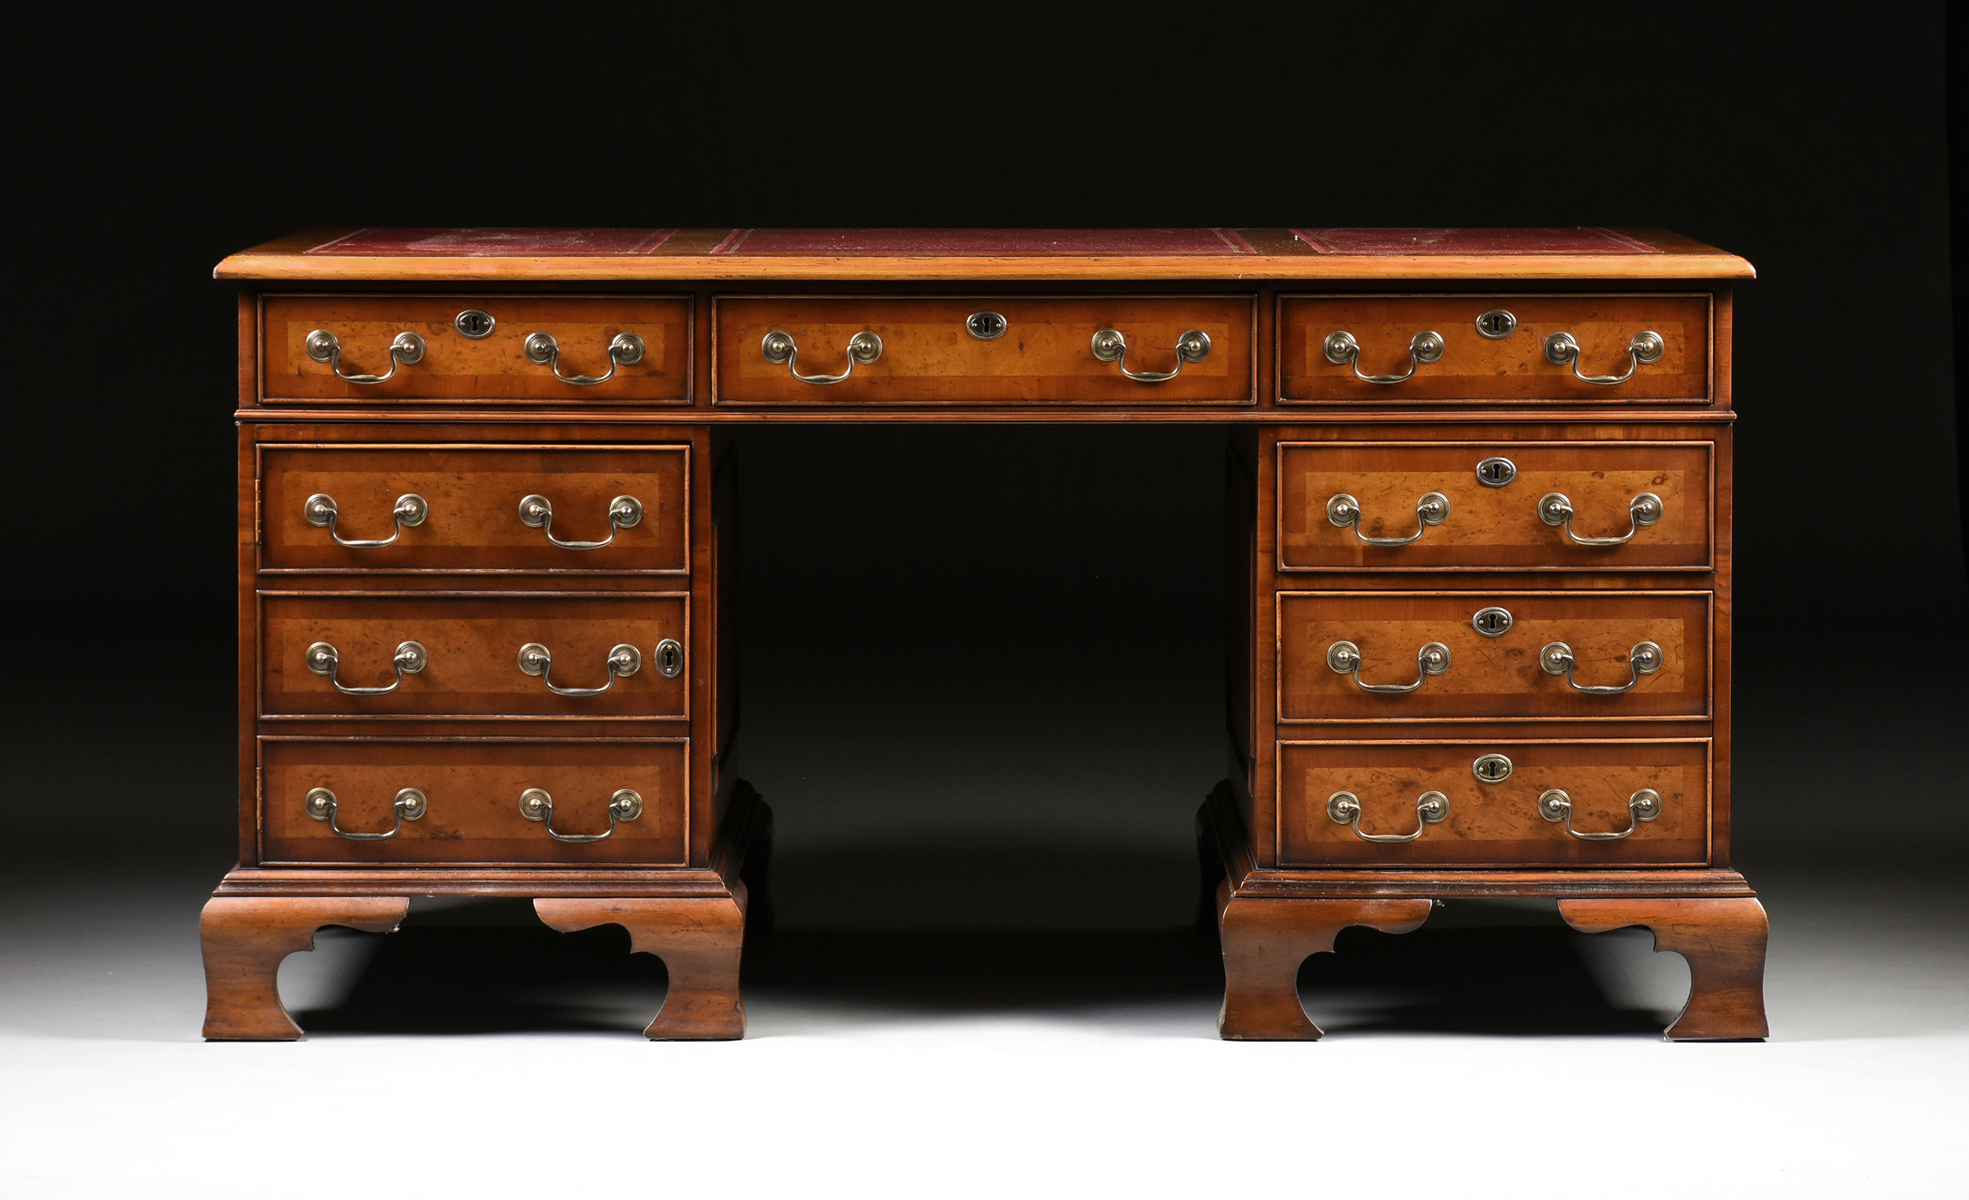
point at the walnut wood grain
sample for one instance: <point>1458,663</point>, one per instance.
<point>708,821</point>
<point>1493,824</point>
<point>1474,368</point>
<point>246,937</point>
<point>472,879</point>
<point>1492,678</point>
<point>1264,943</point>
<point>1670,434</point>
<point>474,494</point>
<point>1722,939</point>
<point>1723,581</point>
<point>1493,528</point>
<point>1242,706</point>
<point>1238,852</point>
<point>928,357</point>
<point>1343,432</point>
<point>460,370</point>
<point>699,941</point>
<point>246,625</point>
<point>473,787</point>
<point>744,816</point>
<point>472,642</point>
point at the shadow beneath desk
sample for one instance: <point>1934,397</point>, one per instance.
<point>451,976</point>
<point>977,972</point>
<point>496,978</point>
<point>1518,980</point>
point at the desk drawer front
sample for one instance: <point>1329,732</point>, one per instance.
<point>470,649</point>
<point>471,808</point>
<point>1492,648</point>
<point>1498,824</point>
<point>1659,492</point>
<point>929,354</point>
<point>470,499</point>
<point>1471,365</point>
<point>591,337</point>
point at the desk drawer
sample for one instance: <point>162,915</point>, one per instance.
<point>634,349</point>
<point>1604,788</point>
<point>1492,649</point>
<point>1375,335</point>
<point>922,350</point>
<point>1502,519</point>
<point>471,800</point>
<point>468,651</point>
<point>470,500</point>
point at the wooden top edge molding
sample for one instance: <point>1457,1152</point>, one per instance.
<point>1248,254</point>
<point>676,420</point>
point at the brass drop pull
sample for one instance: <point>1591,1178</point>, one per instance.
<point>536,660</point>
<point>406,349</point>
<point>1642,511</point>
<point>781,350</point>
<point>1431,509</point>
<point>409,512</point>
<point>410,805</point>
<point>1111,345</point>
<point>1645,347</point>
<point>1431,808</point>
<point>1342,350</point>
<point>624,512</point>
<point>537,805</point>
<point>1644,805</point>
<point>1644,659</point>
<point>624,350</point>
<point>1345,659</point>
<point>409,659</point>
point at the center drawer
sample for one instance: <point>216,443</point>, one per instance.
<point>467,800</point>
<point>1559,803</point>
<point>1541,506</point>
<point>465,508</point>
<point>1133,350</point>
<point>438,654</point>
<point>1345,656</point>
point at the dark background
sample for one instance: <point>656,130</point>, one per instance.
<point>985,636</point>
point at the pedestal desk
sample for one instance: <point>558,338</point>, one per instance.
<point>1479,553</point>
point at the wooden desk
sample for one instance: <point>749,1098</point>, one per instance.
<point>1479,487</point>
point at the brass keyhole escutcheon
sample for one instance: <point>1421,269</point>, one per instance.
<point>1491,768</point>
<point>986,325</point>
<point>1497,323</point>
<point>475,323</point>
<point>1492,622</point>
<point>1496,472</point>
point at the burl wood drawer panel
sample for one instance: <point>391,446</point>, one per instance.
<point>1604,789</point>
<point>469,655</point>
<point>470,808</point>
<point>1043,352</point>
<point>597,349</point>
<point>1652,501</point>
<point>1327,344</point>
<point>1484,655</point>
<point>458,508</point>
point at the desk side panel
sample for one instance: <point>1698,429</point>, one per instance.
<point>247,637</point>
<point>1240,651</point>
